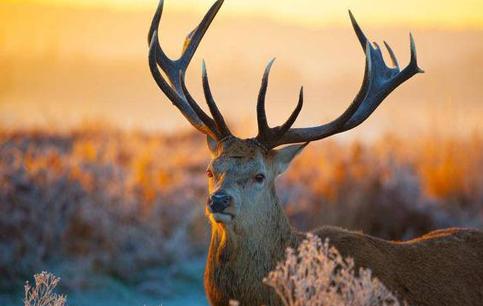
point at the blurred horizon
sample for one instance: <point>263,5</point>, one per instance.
<point>66,62</point>
<point>443,13</point>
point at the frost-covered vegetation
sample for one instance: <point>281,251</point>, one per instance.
<point>316,274</point>
<point>127,204</point>
<point>42,294</point>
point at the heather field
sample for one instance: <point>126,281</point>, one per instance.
<point>123,211</point>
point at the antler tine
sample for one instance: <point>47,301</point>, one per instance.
<point>291,120</point>
<point>263,128</point>
<point>379,81</point>
<point>162,59</point>
<point>155,21</point>
<point>153,55</point>
<point>413,64</point>
<point>198,110</point>
<point>215,112</point>
<point>394,61</point>
<point>360,35</point>
<point>194,38</point>
<point>153,29</point>
<point>175,71</point>
<point>266,135</point>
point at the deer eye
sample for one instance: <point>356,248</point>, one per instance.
<point>209,173</point>
<point>259,178</point>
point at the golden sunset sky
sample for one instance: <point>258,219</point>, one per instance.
<point>426,13</point>
<point>66,61</point>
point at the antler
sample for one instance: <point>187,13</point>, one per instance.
<point>379,81</point>
<point>175,71</point>
<point>268,136</point>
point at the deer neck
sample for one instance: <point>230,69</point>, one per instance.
<point>239,259</point>
<point>232,243</point>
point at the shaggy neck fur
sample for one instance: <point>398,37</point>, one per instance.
<point>239,259</point>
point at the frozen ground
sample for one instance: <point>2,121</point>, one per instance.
<point>183,287</point>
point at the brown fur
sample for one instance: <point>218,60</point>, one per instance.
<point>444,267</point>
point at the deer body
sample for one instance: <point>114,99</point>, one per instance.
<point>441,268</point>
<point>250,231</point>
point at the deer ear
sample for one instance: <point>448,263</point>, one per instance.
<point>281,158</point>
<point>212,144</point>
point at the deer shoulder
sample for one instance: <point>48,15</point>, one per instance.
<point>443,267</point>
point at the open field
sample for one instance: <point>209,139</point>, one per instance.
<point>125,209</point>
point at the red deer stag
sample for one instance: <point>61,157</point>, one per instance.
<point>249,230</point>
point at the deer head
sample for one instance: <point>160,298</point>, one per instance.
<point>242,171</point>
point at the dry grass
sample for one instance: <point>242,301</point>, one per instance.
<point>122,202</point>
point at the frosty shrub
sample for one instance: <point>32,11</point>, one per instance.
<point>124,203</point>
<point>43,292</point>
<point>317,274</point>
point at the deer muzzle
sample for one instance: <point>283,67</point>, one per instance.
<point>218,202</point>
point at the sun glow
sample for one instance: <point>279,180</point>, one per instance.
<point>430,13</point>
<point>71,61</point>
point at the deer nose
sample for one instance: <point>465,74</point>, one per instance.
<point>219,201</point>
